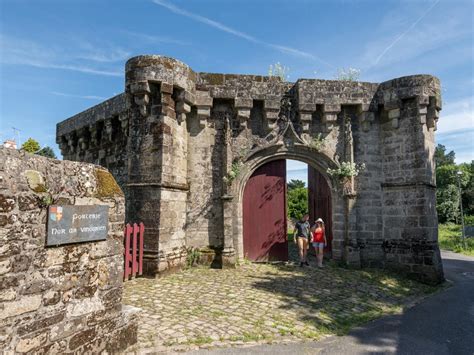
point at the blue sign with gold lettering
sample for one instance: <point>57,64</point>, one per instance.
<point>76,224</point>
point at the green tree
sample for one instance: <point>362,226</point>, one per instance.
<point>297,202</point>
<point>295,184</point>
<point>47,152</point>
<point>468,188</point>
<point>447,194</point>
<point>31,146</point>
<point>448,175</point>
<point>447,204</point>
<point>441,158</point>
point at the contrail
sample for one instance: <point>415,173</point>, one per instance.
<point>88,97</point>
<point>405,32</point>
<point>220,26</point>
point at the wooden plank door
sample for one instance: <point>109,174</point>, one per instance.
<point>319,202</point>
<point>264,213</point>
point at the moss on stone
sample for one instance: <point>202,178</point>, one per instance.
<point>106,184</point>
<point>214,78</point>
<point>40,188</point>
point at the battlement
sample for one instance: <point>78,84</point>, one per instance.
<point>148,73</point>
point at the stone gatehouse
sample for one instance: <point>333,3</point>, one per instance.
<point>183,146</point>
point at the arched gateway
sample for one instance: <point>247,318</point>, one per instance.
<point>183,145</point>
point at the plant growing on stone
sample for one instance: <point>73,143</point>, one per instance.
<point>46,200</point>
<point>279,70</point>
<point>234,172</point>
<point>346,170</point>
<point>348,74</point>
<point>192,257</point>
<point>317,142</point>
<point>243,152</point>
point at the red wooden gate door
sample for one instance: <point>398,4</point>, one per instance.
<point>264,213</point>
<point>319,201</point>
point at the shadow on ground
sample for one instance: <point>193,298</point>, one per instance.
<point>335,299</point>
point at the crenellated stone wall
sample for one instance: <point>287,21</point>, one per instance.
<point>64,299</point>
<point>179,135</point>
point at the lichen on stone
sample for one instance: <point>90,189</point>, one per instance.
<point>106,184</point>
<point>35,181</point>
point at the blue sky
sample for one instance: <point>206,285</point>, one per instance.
<point>59,57</point>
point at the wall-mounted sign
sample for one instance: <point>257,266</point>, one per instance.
<point>75,224</point>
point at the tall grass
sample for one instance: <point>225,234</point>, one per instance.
<point>449,237</point>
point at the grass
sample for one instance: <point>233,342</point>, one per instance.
<point>290,236</point>
<point>449,238</point>
<point>201,340</point>
<point>343,325</point>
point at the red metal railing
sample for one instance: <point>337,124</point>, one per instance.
<point>133,242</point>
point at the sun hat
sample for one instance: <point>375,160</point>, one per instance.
<point>319,220</point>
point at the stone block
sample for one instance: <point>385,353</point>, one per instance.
<point>166,88</point>
<point>332,108</point>
<point>27,345</point>
<point>140,87</point>
<point>23,305</point>
<point>243,103</point>
<point>395,113</point>
<point>271,104</point>
<point>82,338</point>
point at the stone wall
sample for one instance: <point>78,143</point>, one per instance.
<point>64,299</point>
<point>187,132</point>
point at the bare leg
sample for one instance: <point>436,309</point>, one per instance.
<point>320,256</point>
<point>305,249</point>
<point>300,248</point>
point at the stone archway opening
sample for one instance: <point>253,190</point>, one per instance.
<point>265,218</point>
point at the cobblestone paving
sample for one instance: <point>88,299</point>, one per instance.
<point>260,303</point>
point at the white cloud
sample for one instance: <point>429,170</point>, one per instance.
<point>456,128</point>
<point>224,28</point>
<point>457,115</point>
<point>155,39</point>
<point>295,165</point>
<point>88,97</point>
<point>464,157</point>
<point>404,33</point>
<point>400,39</point>
<point>19,51</point>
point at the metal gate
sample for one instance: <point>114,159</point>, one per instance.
<point>264,214</point>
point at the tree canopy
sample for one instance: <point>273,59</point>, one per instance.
<point>47,152</point>
<point>31,146</point>
<point>441,158</point>
<point>297,202</point>
<point>448,181</point>
<point>295,184</point>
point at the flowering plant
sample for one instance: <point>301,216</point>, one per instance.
<point>233,173</point>
<point>349,74</point>
<point>318,142</point>
<point>346,169</point>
